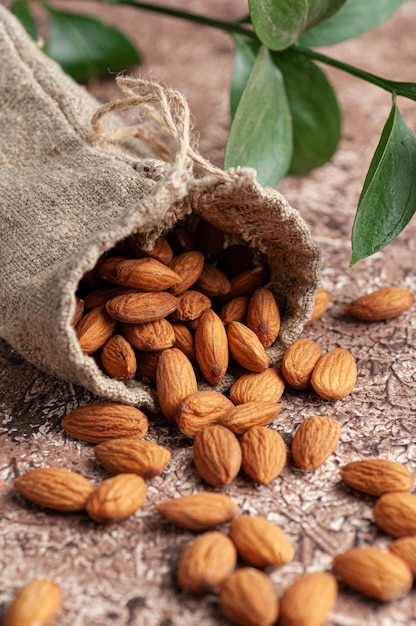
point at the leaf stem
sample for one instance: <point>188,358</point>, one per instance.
<point>408,90</point>
<point>234,27</point>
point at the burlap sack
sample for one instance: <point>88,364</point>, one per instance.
<point>73,184</point>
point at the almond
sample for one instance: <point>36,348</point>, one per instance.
<point>263,454</point>
<point>217,455</point>
<point>335,374</point>
<point>245,347</point>
<point>314,441</point>
<point>146,274</point>
<point>405,548</point>
<point>199,511</point>
<point>79,311</point>
<point>373,572</point>
<point>99,421</point>
<point>240,418</point>
<point>116,498</point>
<point>138,308</point>
<point>395,513</point>
<point>200,409</point>
<point>298,362</point>
<point>244,283</point>
<point>54,488</point>
<point>156,335</point>
<point>212,282</point>
<point>191,305</point>
<point>382,304</point>
<point>211,347</point>
<point>184,340</point>
<point>249,599</point>
<point>94,329</point>
<point>267,386</point>
<point>320,305</point>
<point>175,379</point>
<point>132,455</point>
<point>377,476</point>
<point>189,266</point>
<point>106,264</point>
<point>309,600</point>
<point>259,542</point>
<point>100,296</point>
<point>37,603</point>
<point>160,250</point>
<point>263,316</point>
<point>206,562</point>
<point>235,310</point>
<point>118,358</point>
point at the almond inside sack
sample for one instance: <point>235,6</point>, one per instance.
<point>75,181</point>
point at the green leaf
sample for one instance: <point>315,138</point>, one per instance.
<point>279,23</point>
<point>353,19</point>
<point>22,11</point>
<point>315,112</point>
<point>86,47</point>
<point>244,58</point>
<point>261,132</point>
<point>388,199</point>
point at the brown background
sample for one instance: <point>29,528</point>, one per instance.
<point>123,574</point>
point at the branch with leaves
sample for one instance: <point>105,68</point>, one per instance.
<point>285,114</point>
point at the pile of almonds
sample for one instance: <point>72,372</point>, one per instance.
<point>181,312</point>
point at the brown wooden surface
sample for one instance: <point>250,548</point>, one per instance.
<point>123,574</point>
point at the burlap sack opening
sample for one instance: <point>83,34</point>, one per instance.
<point>75,180</point>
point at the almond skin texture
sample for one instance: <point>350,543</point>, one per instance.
<point>321,304</point>
<point>377,476</point>
<point>263,454</point>
<point>200,409</point>
<point>263,316</point>
<point>314,441</point>
<point>145,274</point>
<point>199,511</point>
<point>139,308</point>
<point>382,304</point>
<point>298,362</point>
<point>373,572</point>
<point>245,347</point>
<point>212,282</point>
<point>244,283</point>
<point>118,358</point>
<point>206,562</point>
<point>235,310</point>
<point>156,335</point>
<point>217,455</point>
<point>175,379</point>
<point>259,542</point>
<point>184,340</point>
<point>116,498</point>
<point>248,598</point>
<point>309,600</point>
<point>335,374</point>
<point>100,296</point>
<point>55,488</point>
<point>211,347</point>
<point>99,421</point>
<point>405,548</point>
<point>266,386</point>
<point>189,266</point>
<point>132,455</point>
<point>36,604</point>
<point>395,513</point>
<point>244,416</point>
<point>94,329</point>
<point>191,305</point>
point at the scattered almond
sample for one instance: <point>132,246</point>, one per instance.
<point>266,386</point>
<point>321,303</point>
<point>245,347</point>
<point>263,454</point>
<point>395,513</point>
<point>382,304</point>
<point>206,562</point>
<point>335,374</point>
<point>248,598</point>
<point>36,604</point>
<point>116,498</point>
<point>373,572</point>
<point>99,421</point>
<point>309,600</point>
<point>259,542</point>
<point>263,316</point>
<point>132,455</point>
<point>314,441</point>
<point>212,282</point>
<point>211,347</point>
<point>175,379</point>
<point>147,336</point>
<point>55,488</point>
<point>405,548</point>
<point>184,340</point>
<point>94,329</point>
<point>146,274</point>
<point>118,358</point>
<point>191,305</point>
<point>298,362</point>
<point>199,511</point>
<point>200,409</point>
<point>377,476</point>
<point>138,308</point>
<point>235,310</point>
<point>217,455</point>
<point>189,266</point>
<point>244,416</point>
